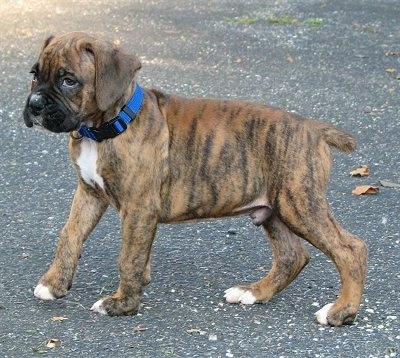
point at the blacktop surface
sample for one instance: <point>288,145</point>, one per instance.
<point>337,61</point>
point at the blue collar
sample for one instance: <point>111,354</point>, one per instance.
<point>118,124</point>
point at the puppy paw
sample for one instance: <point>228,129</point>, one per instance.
<point>98,307</point>
<point>117,306</point>
<point>43,293</point>
<point>239,295</point>
<point>322,314</point>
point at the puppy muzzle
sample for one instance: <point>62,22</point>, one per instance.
<point>42,110</point>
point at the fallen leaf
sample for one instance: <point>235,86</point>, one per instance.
<point>393,53</point>
<point>362,171</point>
<point>58,318</point>
<point>196,330</point>
<point>389,184</point>
<point>365,189</point>
<point>290,59</point>
<point>139,328</point>
<point>52,343</point>
<point>391,70</point>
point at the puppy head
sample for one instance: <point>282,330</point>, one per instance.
<point>76,78</point>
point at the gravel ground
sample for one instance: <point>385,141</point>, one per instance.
<point>338,61</point>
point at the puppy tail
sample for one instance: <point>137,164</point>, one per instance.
<point>339,139</point>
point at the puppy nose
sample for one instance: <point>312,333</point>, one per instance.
<point>37,103</point>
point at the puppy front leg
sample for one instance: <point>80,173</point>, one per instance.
<point>86,210</point>
<point>138,231</point>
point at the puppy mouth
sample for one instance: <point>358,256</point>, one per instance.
<point>66,125</point>
<point>51,118</point>
<point>32,120</point>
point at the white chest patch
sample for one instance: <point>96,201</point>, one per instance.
<point>87,163</point>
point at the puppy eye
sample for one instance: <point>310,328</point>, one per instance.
<point>69,82</point>
<point>34,76</point>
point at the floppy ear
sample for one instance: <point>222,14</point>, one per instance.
<point>115,71</point>
<point>47,41</point>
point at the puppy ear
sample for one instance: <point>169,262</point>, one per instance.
<point>115,71</point>
<point>47,41</point>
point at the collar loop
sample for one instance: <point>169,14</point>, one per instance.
<point>118,124</point>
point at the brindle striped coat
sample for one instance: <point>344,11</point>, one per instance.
<point>190,159</point>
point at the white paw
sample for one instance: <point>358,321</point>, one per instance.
<point>239,295</point>
<point>43,293</point>
<point>322,314</point>
<point>98,307</point>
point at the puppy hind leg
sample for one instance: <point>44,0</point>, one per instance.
<point>290,257</point>
<point>347,251</point>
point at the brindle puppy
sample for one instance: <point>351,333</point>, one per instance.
<point>177,159</point>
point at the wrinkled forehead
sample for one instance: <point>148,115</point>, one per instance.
<point>67,53</point>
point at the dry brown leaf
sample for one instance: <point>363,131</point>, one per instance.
<point>365,189</point>
<point>58,318</point>
<point>389,184</point>
<point>362,171</point>
<point>52,343</point>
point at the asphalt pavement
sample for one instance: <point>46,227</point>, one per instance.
<point>337,61</point>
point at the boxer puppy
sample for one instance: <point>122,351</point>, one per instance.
<point>160,158</point>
